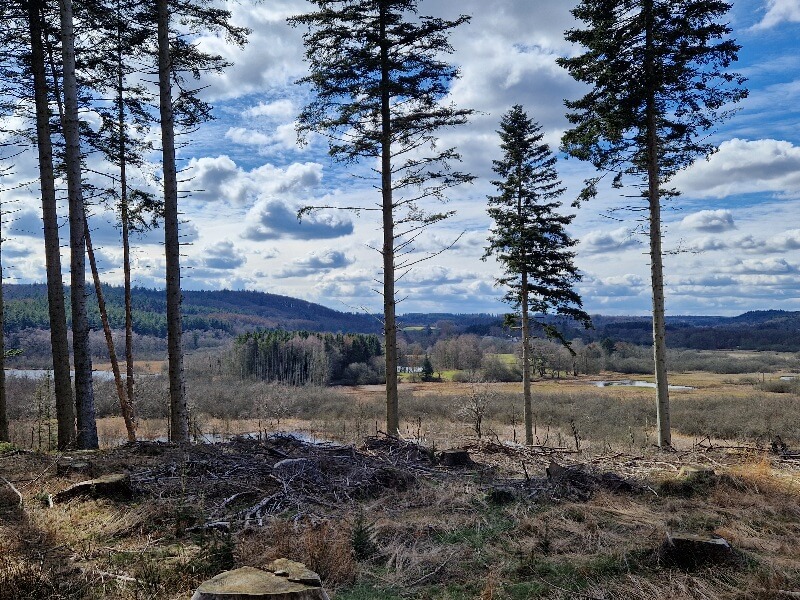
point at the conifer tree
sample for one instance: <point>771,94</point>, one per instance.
<point>658,71</point>
<point>378,76</point>
<point>177,56</point>
<point>529,238</point>
<point>33,16</point>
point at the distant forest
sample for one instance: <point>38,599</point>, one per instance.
<point>229,313</point>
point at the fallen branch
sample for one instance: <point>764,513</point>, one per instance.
<point>15,490</point>
<point>434,572</point>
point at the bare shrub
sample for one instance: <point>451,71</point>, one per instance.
<point>323,547</point>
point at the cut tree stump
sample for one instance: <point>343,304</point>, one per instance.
<point>285,580</point>
<point>691,551</point>
<point>109,486</point>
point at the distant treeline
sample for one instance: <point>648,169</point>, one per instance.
<point>303,357</point>
<point>227,311</point>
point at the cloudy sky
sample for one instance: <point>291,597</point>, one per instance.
<point>733,235</point>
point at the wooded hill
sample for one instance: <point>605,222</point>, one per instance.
<point>236,312</point>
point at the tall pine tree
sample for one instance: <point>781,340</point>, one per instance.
<point>529,238</point>
<point>658,71</point>
<point>377,72</point>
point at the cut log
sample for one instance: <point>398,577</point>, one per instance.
<point>116,486</point>
<point>248,583</point>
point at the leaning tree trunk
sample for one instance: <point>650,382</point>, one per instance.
<point>656,260</point>
<point>389,303</point>
<point>82,357</point>
<point>179,411</point>
<point>124,404</point>
<point>65,409</point>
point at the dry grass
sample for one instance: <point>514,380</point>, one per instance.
<point>441,538</point>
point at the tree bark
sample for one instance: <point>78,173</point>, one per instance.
<point>389,303</point>
<point>179,411</point>
<point>124,405</point>
<point>82,358</point>
<point>4,437</point>
<point>656,259</point>
<point>125,224</point>
<point>65,409</point>
<point>526,362</point>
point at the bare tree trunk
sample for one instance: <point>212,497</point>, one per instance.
<point>65,409</point>
<point>84,394</point>
<point>179,411</point>
<point>656,259</point>
<point>389,303</point>
<point>526,362</point>
<point>124,404</point>
<point>125,223</point>
<point>4,437</point>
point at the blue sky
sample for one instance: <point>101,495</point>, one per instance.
<point>737,222</point>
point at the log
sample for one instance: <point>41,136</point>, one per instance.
<point>109,486</point>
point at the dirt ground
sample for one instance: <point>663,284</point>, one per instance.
<point>389,519</point>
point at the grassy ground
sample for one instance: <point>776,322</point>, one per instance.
<point>441,536</point>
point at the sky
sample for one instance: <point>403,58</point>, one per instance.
<point>732,237</point>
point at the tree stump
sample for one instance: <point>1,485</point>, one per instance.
<point>455,458</point>
<point>690,551</point>
<point>285,580</point>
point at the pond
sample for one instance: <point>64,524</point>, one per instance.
<point>636,383</point>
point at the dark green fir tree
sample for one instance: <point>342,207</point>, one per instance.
<point>659,79</point>
<point>529,238</point>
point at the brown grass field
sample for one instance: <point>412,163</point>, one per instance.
<point>420,529</point>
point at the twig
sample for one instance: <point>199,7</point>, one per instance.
<point>46,469</point>
<point>15,490</point>
<point>124,578</point>
<point>434,572</point>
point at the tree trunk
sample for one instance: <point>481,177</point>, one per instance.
<point>124,405</point>
<point>65,409</point>
<point>125,224</point>
<point>4,437</point>
<point>179,411</point>
<point>82,358</point>
<point>526,324</point>
<point>656,259</point>
<point>389,304</point>
<point>526,361</point>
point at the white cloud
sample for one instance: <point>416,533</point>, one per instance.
<point>247,137</point>
<point>221,179</point>
<point>780,11</point>
<point>273,219</point>
<point>710,220</point>
<point>742,167</point>
<point>599,242</point>
<point>280,109</point>
<point>315,262</point>
<point>223,256</point>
